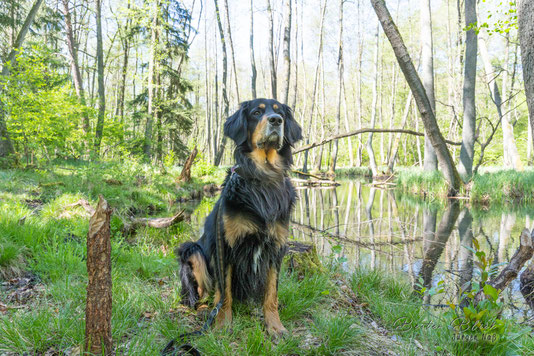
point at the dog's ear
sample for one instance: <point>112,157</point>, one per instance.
<point>292,130</point>
<point>235,126</point>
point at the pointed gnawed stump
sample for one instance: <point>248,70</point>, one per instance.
<point>98,339</point>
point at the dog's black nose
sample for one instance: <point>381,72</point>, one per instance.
<point>275,120</point>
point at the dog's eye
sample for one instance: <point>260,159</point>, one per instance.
<point>256,113</point>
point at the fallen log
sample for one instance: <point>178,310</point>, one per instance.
<point>98,340</point>
<point>511,271</point>
<point>527,281</point>
<point>157,223</point>
<point>84,204</point>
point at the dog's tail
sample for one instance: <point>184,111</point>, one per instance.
<point>194,274</point>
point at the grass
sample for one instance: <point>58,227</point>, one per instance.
<point>43,243</point>
<point>491,188</point>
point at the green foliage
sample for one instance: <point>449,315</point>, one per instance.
<point>43,110</point>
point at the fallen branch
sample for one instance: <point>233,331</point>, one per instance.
<point>307,174</point>
<point>518,260</point>
<point>362,131</point>
<point>157,223</point>
<point>314,183</point>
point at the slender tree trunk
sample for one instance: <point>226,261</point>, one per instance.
<point>315,84</point>
<point>287,53</point>
<point>231,43</point>
<point>370,151</point>
<point>271,50</point>
<point>147,147</point>
<point>340,68</point>
<point>427,76</point>
<point>220,151</point>
<point>126,54</point>
<point>427,115</point>
<point>76,73</point>
<point>526,41</point>
<point>100,66</point>
<point>467,151</point>
<point>510,155</point>
<point>254,73</point>
<point>6,146</point>
<point>396,140</point>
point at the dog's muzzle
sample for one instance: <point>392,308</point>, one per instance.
<point>274,131</point>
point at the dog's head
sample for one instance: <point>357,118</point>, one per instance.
<point>263,124</point>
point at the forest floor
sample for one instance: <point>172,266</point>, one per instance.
<point>43,279</point>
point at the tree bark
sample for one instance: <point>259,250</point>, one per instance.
<point>231,43</point>
<point>370,151</point>
<point>526,41</point>
<point>185,175</point>
<point>98,338</point>
<point>101,89</point>
<point>147,146</point>
<point>287,53</point>
<point>254,73</point>
<point>510,154</point>
<point>429,120</point>
<point>467,151</point>
<point>220,151</point>
<point>333,160</point>
<point>427,76</point>
<point>76,73</point>
<point>315,84</point>
<point>271,50</point>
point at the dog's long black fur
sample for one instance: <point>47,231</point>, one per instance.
<point>262,195</point>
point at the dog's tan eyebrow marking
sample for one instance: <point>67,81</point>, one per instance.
<point>261,106</point>
<point>275,106</point>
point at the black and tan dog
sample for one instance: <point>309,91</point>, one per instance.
<point>255,204</point>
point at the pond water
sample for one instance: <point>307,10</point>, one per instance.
<point>364,226</point>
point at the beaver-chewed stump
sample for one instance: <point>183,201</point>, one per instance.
<point>302,258</point>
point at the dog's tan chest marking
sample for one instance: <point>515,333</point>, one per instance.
<point>236,227</point>
<point>279,232</point>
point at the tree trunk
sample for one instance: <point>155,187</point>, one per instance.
<point>287,53</point>
<point>271,50</point>
<point>231,43</point>
<point>510,154</point>
<point>76,74</point>
<point>465,167</point>
<point>315,85</point>
<point>154,39</point>
<point>220,151</point>
<point>6,146</point>
<point>427,76</point>
<point>254,73</point>
<point>370,151</point>
<point>333,160</point>
<point>98,340</point>
<point>526,41</point>
<point>429,120</point>
<point>126,48</point>
<point>101,92</point>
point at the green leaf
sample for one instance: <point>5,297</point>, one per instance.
<point>491,292</point>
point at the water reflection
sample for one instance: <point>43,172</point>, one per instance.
<point>377,228</point>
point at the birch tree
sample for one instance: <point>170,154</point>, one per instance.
<point>465,167</point>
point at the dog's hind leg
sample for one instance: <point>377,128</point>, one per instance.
<point>270,304</point>
<point>194,275</point>
<point>225,314</point>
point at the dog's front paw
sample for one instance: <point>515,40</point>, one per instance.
<point>277,329</point>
